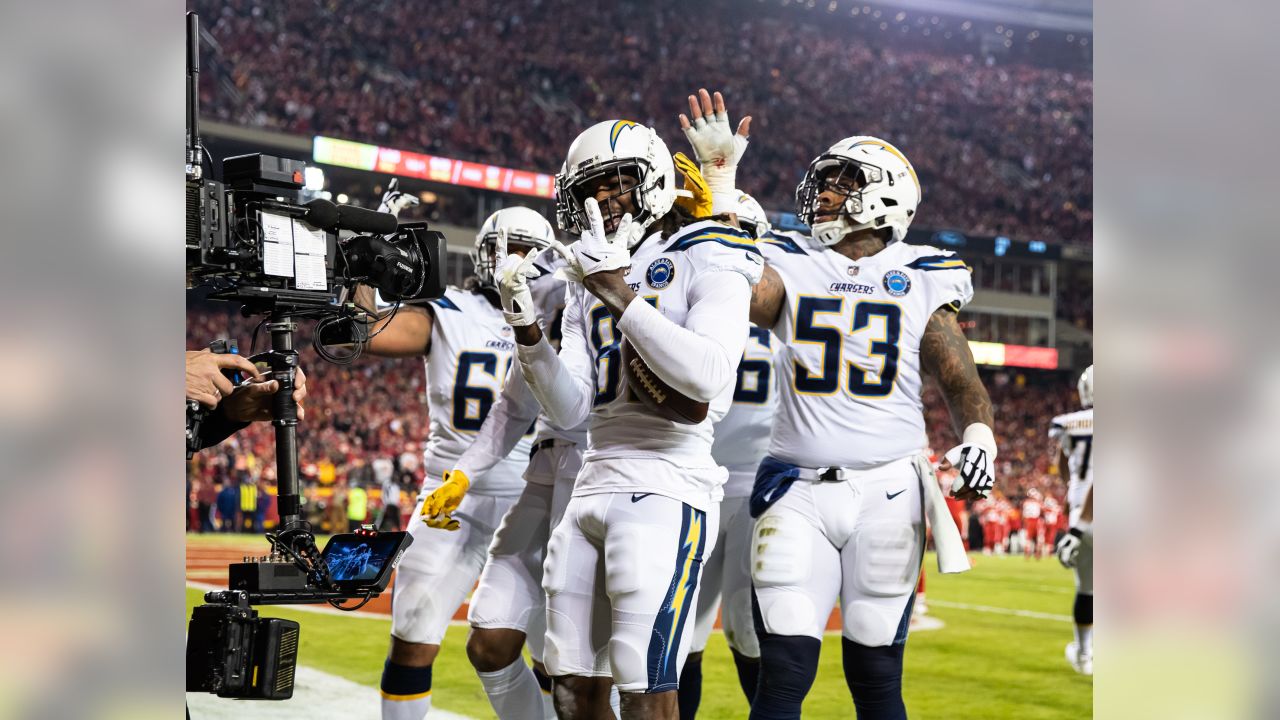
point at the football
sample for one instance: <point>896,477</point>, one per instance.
<point>656,394</point>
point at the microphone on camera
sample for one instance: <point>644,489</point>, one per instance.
<point>325,215</point>
<point>360,220</point>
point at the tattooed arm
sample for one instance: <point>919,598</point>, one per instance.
<point>945,356</point>
<point>767,299</point>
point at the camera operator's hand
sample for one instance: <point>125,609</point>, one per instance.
<point>205,382</point>
<point>252,402</point>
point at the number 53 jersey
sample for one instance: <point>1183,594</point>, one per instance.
<point>849,387</point>
<point>472,349</point>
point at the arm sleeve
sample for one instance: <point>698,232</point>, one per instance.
<point>564,384</point>
<point>508,420</point>
<point>700,359</point>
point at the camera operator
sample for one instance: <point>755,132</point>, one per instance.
<point>232,407</point>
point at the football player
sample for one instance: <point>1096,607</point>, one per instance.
<point>508,607</point>
<point>841,497</point>
<point>1074,434</point>
<point>468,347</point>
<point>741,440</point>
<point>623,564</point>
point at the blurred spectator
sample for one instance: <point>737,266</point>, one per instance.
<point>228,508</point>
<point>1001,134</point>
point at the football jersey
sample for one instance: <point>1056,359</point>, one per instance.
<point>662,271</point>
<point>849,390</point>
<point>1074,433</point>
<point>742,435</point>
<point>471,353</point>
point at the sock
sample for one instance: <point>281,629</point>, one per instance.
<point>1084,639</point>
<point>1083,614</point>
<point>513,692</point>
<point>406,691</point>
<point>689,692</point>
<point>748,674</point>
<point>548,701</point>
<point>615,701</point>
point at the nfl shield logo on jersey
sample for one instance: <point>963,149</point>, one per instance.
<point>896,283</point>
<point>660,273</point>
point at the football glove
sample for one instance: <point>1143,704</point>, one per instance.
<point>393,200</point>
<point>717,147</point>
<point>1068,549</point>
<point>696,196</point>
<point>974,461</point>
<point>597,252</point>
<point>513,274</point>
<point>437,508</point>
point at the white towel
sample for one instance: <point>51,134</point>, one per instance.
<point>946,538</point>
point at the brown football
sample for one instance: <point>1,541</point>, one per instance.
<point>656,394</point>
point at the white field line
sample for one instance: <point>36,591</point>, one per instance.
<point>1001,611</point>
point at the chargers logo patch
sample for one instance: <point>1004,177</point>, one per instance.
<point>660,273</point>
<point>896,283</point>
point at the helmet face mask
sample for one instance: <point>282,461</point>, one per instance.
<point>622,175</point>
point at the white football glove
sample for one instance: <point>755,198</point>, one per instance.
<point>974,460</point>
<point>1068,549</point>
<point>717,147</point>
<point>393,200</point>
<point>597,252</point>
<point>513,273</point>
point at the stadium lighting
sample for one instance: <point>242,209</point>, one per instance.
<point>343,199</point>
<point>313,178</point>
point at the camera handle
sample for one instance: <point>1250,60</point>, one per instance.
<point>283,362</point>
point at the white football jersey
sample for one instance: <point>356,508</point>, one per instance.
<point>620,426</point>
<point>742,435</point>
<point>1074,433</point>
<point>472,349</point>
<point>849,390</point>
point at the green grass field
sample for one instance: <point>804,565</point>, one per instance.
<point>987,662</point>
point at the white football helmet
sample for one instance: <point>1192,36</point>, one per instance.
<point>882,189</point>
<point>1085,387</point>
<point>626,148</point>
<point>751,216</point>
<point>522,226</point>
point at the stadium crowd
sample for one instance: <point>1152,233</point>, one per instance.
<point>1002,145</point>
<point>366,424</point>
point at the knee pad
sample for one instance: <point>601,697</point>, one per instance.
<point>788,666</point>
<point>1083,609</point>
<point>874,676</point>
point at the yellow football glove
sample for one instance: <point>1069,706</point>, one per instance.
<point>437,508</point>
<point>696,196</point>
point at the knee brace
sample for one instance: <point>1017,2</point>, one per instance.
<point>1083,610</point>
<point>788,665</point>
<point>874,676</point>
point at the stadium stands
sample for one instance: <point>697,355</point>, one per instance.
<point>1002,145</point>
